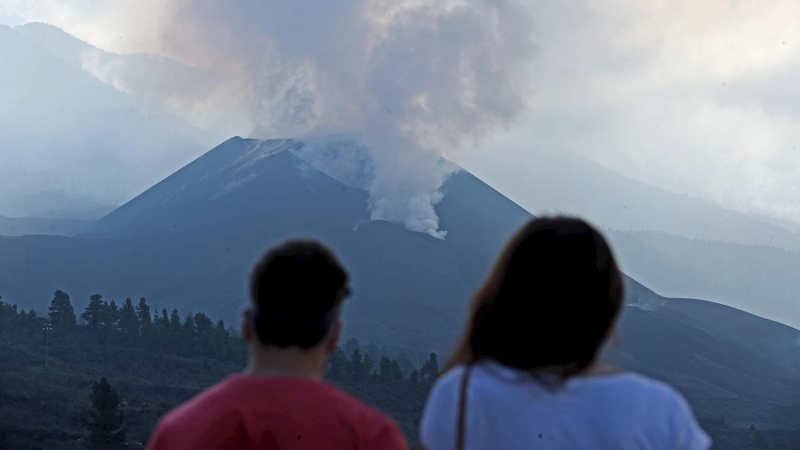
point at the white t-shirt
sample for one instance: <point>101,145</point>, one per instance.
<point>509,409</point>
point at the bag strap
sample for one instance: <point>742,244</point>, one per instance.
<point>462,408</point>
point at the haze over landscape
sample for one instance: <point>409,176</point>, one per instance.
<point>161,104</point>
<point>139,139</point>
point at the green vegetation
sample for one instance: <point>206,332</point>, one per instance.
<point>105,423</point>
<point>106,382</point>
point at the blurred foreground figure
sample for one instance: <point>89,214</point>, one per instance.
<point>526,372</point>
<point>280,401</point>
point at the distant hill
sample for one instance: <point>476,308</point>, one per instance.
<point>155,82</point>
<point>34,225</point>
<point>50,106</point>
<point>676,244</point>
<point>544,180</point>
<point>755,278</point>
<point>191,239</point>
<point>50,205</point>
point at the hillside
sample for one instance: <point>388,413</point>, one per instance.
<point>156,83</point>
<point>544,179</point>
<point>676,244</point>
<point>35,225</point>
<point>42,404</point>
<point>50,105</point>
<point>757,278</point>
<point>190,240</point>
<point>158,367</point>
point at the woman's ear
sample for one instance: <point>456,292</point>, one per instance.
<point>248,330</point>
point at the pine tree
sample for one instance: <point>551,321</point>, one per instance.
<point>188,336</point>
<point>175,335</point>
<point>221,339</point>
<point>161,329</point>
<point>93,315</point>
<point>374,352</point>
<point>156,319</point>
<point>109,318</point>
<point>5,308</point>
<point>221,330</point>
<point>338,366</point>
<point>351,345</point>
<point>357,365</point>
<point>105,423</point>
<point>175,321</point>
<point>397,374</point>
<point>145,319</point>
<point>413,380</point>
<point>204,335</point>
<point>430,370</point>
<point>128,322</point>
<point>369,366</point>
<point>112,322</point>
<point>62,314</point>
<point>386,370</point>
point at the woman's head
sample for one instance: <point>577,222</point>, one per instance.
<point>550,301</point>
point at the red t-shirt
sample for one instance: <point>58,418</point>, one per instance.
<point>250,412</point>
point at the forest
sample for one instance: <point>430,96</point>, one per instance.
<point>112,370</point>
<point>107,374</point>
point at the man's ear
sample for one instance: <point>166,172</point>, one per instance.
<point>334,334</point>
<point>248,330</point>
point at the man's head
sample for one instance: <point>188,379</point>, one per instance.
<point>296,291</point>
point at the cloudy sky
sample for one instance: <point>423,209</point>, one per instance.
<point>696,97</point>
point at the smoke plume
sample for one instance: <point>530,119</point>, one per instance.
<point>415,80</point>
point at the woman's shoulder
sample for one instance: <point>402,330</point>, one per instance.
<point>451,378</point>
<point>669,417</point>
<point>630,391</point>
<point>449,383</point>
<point>638,384</point>
<point>629,384</point>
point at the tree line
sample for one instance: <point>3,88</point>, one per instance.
<point>131,343</point>
<point>397,382</point>
<point>194,335</point>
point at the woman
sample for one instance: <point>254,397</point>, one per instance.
<point>526,373</point>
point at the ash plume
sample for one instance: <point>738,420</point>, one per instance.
<point>415,80</point>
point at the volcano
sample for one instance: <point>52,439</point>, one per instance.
<point>190,241</point>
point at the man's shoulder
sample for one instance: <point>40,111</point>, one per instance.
<point>352,408</point>
<point>234,404</point>
<point>233,394</point>
<point>205,406</point>
<point>377,430</point>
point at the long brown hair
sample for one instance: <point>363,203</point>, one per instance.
<point>550,301</point>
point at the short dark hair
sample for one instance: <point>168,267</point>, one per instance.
<point>550,301</point>
<point>296,290</point>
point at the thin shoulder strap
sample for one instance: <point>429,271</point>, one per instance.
<point>462,408</point>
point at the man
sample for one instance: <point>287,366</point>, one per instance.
<point>281,402</point>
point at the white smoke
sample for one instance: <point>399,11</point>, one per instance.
<point>404,187</point>
<point>416,80</point>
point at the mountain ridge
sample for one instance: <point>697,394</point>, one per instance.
<point>190,240</point>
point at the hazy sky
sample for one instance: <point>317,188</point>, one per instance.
<point>697,97</point>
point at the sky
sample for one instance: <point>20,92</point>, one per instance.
<point>695,97</point>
